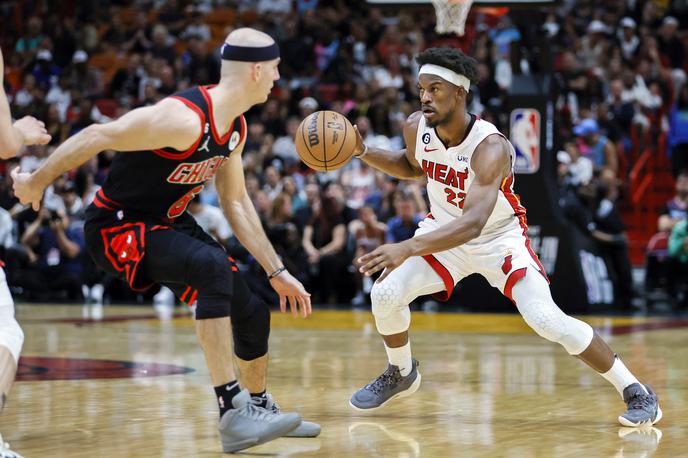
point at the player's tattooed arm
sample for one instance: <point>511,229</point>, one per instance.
<point>400,164</point>
<point>492,164</point>
<point>168,123</point>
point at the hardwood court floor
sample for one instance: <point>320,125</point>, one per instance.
<point>490,388</point>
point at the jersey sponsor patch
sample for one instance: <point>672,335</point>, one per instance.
<point>525,137</point>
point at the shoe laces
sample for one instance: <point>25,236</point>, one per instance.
<point>640,401</point>
<point>254,411</point>
<point>266,402</point>
<point>390,377</point>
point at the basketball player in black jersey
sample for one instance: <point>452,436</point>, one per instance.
<point>137,227</point>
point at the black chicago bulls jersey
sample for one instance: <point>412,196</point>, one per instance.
<point>161,183</point>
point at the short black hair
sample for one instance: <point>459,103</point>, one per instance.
<point>453,59</point>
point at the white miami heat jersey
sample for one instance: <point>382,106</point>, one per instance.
<point>449,175</point>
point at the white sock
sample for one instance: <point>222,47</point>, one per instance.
<point>620,376</point>
<point>400,357</point>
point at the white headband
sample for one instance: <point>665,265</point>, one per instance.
<point>446,74</point>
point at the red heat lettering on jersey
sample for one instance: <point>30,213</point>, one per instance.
<point>195,172</point>
<point>444,174</point>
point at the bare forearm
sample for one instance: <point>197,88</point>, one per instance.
<point>70,155</point>
<point>446,237</point>
<point>393,163</point>
<point>248,229</point>
<point>10,138</point>
<point>69,248</point>
<point>30,236</point>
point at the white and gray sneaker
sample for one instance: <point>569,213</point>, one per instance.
<point>643,406</point>
<point>389,385</point>
<point>247,424</point>
<point>305,429</point>
<point>5,451</point>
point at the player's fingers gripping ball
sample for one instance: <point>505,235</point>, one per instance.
<point>325,141</point>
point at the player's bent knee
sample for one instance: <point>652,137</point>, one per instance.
<point>210,272</point>
<point>250,328</point>
<point>11,334</point>
<point>386,297</point>
<point>548,321</point>
<point>391,312</point>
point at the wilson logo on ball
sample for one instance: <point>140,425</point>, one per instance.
<point>313,137</point>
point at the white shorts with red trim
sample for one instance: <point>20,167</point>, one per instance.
<point>502,259</point>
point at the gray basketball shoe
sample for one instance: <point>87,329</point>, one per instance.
<point>643,408</point>
<point>305,429</point>
<point>247,425</point>
<point>389,385</point>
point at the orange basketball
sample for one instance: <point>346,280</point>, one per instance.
<point>325,141</point>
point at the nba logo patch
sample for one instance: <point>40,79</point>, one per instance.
<point>525,136</point>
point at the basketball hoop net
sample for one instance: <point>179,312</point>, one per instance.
<point>451,15</point>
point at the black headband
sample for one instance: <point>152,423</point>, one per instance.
<point>250,54</point>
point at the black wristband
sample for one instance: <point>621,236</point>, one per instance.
<point>277,271</point>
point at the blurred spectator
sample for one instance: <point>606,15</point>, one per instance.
<point>359,182</point>
<point>578,168</point>
<point>24,96</point>
<point>29,43</point>
<point>678,132</point>
<point>125,83</point>
<point>325,244</point>
<point>197,27</point>
<point>211,219</point>
<point>595,146</point>
<point>161,47</point>
<point>116,35</point>
<point>678,251</point>
<point>404,224</point>
<point>620,109</point>
<point>304,215</point>
<point>284,145</point>
<point>171,16</point>
<point>51,265</point>
<point>199,66</point>
<point>670,45</point>
<point>86,77</point>
<point>168,84</point>
<point>676,209</point>
<point>285,235</point>
<point>628,40</point>
<point>60,96</point>
<point>608,230</point>
<point>368,234</point>
<point>307,105</point>
<point>45,71</point>
<point>273,185</point>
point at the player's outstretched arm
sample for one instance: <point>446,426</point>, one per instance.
<point>492,164</point>
<point>167,124</point>
<point>26,131</point>
<point>241,214</point>
<point>400,164</point>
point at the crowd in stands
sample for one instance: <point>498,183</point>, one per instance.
<point>620,72</point>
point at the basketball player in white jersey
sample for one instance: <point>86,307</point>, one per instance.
<point>13,136</point>
<point>476,225</point>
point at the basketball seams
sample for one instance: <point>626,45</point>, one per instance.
<point>313,160</point>
<point>346,129</point>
